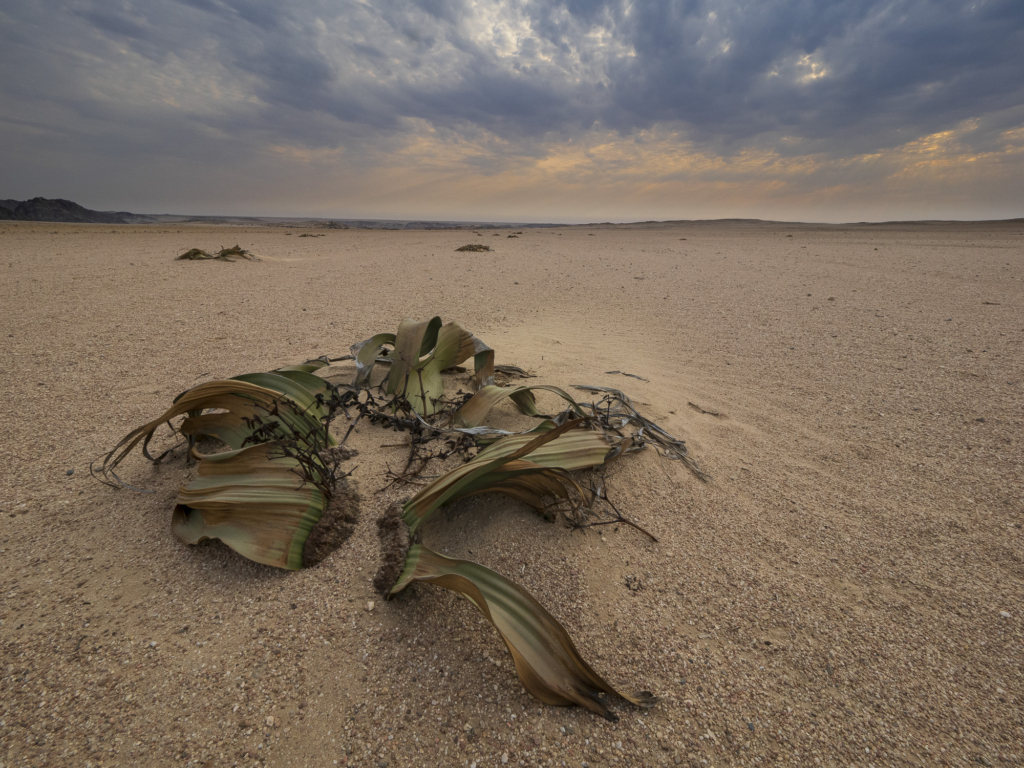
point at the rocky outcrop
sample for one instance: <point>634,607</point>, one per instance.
<point>44,209</point>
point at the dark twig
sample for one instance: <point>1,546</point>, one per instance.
<point>702,410</point>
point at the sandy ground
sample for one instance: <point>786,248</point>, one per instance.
<point>846,591</point>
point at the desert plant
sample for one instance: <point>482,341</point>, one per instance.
<point>224,254</point>
<point>194,254</point>
<point>263,496</point>
<point>529,467</point>
<point>418,353</point>
<point>265,493</point>
<point>547,662</point>
<point>532,468</point>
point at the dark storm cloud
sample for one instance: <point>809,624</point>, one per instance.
<point>841,77</point>
<point>911,65</point>
<point>727,69</point>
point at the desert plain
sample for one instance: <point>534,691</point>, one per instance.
<point>846,589</point>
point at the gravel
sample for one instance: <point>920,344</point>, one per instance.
<point>845,592</point>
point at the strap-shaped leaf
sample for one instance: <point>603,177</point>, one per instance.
<point>239,397</point>
<point>366,353</point>
<point>310,366</point>
<point>475,411</point>
<point>547,661</point>
<point>576,449</point>
<point>421,351</point>
<point>424,388</point>
<point>262,458</point>
<point>289,396</point>
<point>483,364</point>
<point>254,501</point>
<point>413,340</point>
<point>228,426</point>
<point>488,470</point>
<point>294,384</point>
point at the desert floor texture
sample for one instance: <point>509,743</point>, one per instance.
<point>848,589</point>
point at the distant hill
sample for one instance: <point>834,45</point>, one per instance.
<point>43,209</point>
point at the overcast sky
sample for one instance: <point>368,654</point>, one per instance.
<point>545,110</point>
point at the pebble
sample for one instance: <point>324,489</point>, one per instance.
<point>369,605</point>
<point>70,472</point>
<point>504,758</point>
<point>1005,614</point>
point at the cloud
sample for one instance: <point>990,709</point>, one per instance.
<point>504,87</point>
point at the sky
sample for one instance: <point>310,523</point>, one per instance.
<point>544,110</point>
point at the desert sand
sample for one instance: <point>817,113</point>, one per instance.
<point>848,589</point>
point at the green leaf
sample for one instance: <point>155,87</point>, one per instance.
<point>488,470</point>
<point>576,449</point>
<point>266,396</point>
<point>252,500</point>
<point>546,659</point>
<point>239,397</point>
<point>295,384</point>
<point>421,351</point>
<point>425,386</point>
<point>366,353</point>
<point>310,366</point>
<point>413,340</point>
<point>228,427</point>
<point>475,411</point>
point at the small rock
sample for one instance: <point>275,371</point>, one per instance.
<point>1005,614</point>
<point>152,644</point>
<point>369,605</point>
<point>504,758</point>
<point>751,727</point>
<point>70,472</point>
<point>273,722</point>
<point>382,764</point>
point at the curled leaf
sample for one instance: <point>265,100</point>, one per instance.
<point>421,351</point>
<point>475,411</point>
<point>255,501</point>
<point>547,661</point>
<point>518,465</point>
